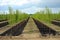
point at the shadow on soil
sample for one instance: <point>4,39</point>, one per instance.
<point>16,29</point>
<point>57,22</point>
<point>44,30</point>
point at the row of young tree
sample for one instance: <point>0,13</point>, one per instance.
<point>46,15</point>
<point>13,16</point>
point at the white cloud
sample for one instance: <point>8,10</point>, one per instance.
<point>55,10</point>
<point>36,9</point>
<point>12,2</point>
<point>32,9</point>
<point>22,2</point>
<point>17,2</point>
<point>36,1</point>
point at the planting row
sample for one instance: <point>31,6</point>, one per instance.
<point>13,16</point>
<point>15,30</point>
<point>48,16</point>
<point>3,23</point>
<point>56,22</point>
<point>45,29</point>
<point>18,28</point>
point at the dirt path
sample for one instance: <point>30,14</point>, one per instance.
<point>31,30</point>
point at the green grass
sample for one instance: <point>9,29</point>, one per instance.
<point>46,15</point>
<point>13,16</point>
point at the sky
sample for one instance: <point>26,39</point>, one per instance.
<point>30,6</point>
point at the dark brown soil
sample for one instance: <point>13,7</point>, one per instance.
<point>3,23</point>
<point>3,20</point>
<point>44,29</point>
<point>16,29</point>
<point>55,22</point>
<point>57,19</point>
